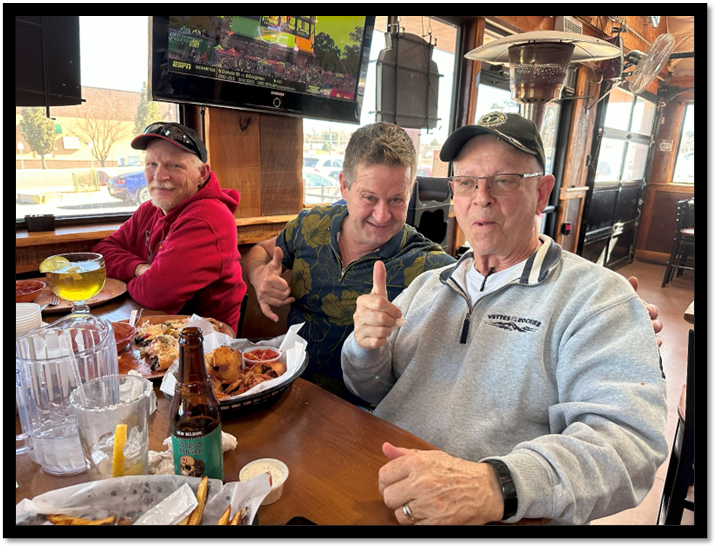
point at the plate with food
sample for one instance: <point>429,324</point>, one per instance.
<point>155,344</point>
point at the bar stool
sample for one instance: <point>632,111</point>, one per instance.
<point>683,245</point>
<point>680,471</point>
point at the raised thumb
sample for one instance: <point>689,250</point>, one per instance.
<point>379,279</point>
<point>275,263</point>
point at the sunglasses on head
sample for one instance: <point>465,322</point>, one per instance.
<point>175,133</point>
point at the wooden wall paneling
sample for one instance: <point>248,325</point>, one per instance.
<point>282,146</point>
<point>234,149</point>
<point>579,144</point>
<point>467,93</point>
<point>524,23</point>
<point>582,126</point>
<point>657,225</point>
<point>570,210</point>
<point>260,229</point>
<point>662,226</point>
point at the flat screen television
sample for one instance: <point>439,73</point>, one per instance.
<point>307,66</point>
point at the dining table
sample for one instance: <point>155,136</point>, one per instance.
<point>690,313</point>
<point>332,449</point>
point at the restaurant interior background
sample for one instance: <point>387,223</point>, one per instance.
<point>622,160</point>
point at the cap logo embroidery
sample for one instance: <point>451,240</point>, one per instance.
<point>493,119</point>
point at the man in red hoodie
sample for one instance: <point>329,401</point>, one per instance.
<point>178,252</point>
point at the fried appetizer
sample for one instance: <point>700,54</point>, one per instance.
<point>162,351</point>
<point>223,363</point>
<point>224,367</point>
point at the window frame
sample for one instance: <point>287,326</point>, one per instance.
<point>679,145</point>
<point>627,137</point>
<point>101,218</point>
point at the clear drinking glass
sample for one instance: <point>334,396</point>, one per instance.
<point>76,277</point>
<point>113,420</point>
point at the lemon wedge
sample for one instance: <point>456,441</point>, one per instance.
<point>118,450</point>
<point>52,264</point>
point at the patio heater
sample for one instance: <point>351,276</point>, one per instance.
<point>538,62</point>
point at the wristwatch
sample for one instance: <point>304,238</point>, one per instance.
<point>510,496</point>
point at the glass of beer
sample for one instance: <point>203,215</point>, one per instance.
<point>75,277</point>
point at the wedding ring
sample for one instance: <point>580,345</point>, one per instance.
<point>407,512</point>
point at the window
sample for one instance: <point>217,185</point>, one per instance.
<point>625,143</point>
<point>325,142</point>
<point>685,163</point>
<point>79,162</point>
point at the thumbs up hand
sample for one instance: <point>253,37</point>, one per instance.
<point>375,317</point>
<point>272,289</point>
<point>379,280</point>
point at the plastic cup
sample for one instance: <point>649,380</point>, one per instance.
<point>113,420</point>
<point>279,473</point>
<point>258,350</point>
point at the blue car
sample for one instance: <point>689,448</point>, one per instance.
<point>129,187</point>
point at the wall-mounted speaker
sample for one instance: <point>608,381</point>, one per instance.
<point>407,82</point>
<point>47,61</point>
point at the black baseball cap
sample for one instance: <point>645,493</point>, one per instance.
<point>514,129</point>
<point>177,134</point>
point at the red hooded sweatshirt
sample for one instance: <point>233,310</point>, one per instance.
<point>192,252</point>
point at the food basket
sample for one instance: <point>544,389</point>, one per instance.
<point>136,497</point>
<point>293,349</point>
<point>266,398</point>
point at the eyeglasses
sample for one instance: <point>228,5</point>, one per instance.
<point>464,186</point>
<point>173,132</point>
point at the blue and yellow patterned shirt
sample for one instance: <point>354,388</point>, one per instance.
<point>325,293</point>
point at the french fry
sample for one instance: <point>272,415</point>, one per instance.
<point>239,517</point>
<point>196,516</point>
<point>123,521</point>
<point>224,520</point>
<point>62,519</point>
<point>109,520</point>
<point>185,521</point>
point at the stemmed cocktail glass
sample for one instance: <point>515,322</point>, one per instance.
<point>75,277</point>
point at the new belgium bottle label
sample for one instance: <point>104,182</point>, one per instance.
<point>195,416</point>
<point>198,454</point>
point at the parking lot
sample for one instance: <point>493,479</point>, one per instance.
<point>53,191</point>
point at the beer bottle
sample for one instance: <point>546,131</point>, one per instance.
<point>194,415</point>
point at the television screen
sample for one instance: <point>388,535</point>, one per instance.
<point>311,66</point>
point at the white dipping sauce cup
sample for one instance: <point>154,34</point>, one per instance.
<point>278,470</point>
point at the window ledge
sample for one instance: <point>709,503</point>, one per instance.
<point>23,238</point>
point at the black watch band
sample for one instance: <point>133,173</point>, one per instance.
<point>510,496</point>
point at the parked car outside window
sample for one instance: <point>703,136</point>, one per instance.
<point>328,166</point>
<point>129,187</point>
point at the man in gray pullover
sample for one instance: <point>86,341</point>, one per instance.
<point>534,371</point>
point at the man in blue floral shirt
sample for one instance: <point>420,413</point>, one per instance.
<point>331,250</point>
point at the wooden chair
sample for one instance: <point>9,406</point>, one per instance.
<point>680,471</point>
<point>683,245</point>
